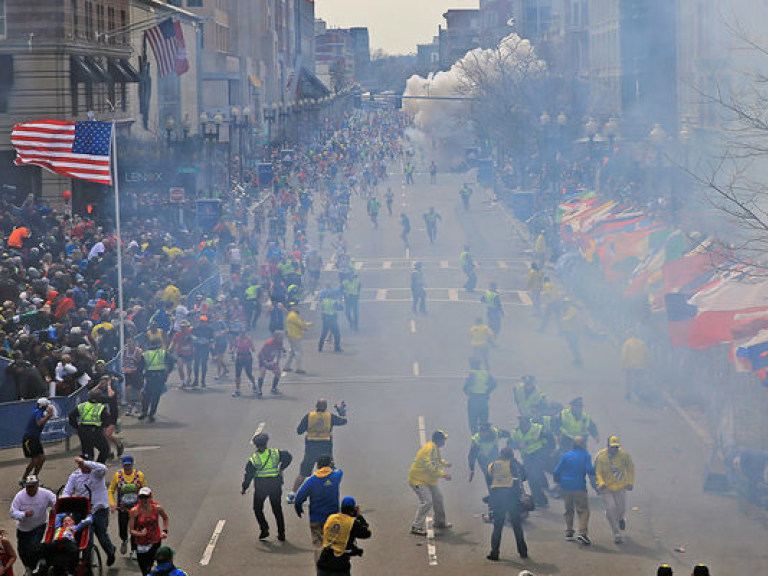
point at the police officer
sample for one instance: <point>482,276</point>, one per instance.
<point>253,296</point>
<point>527,396</point>
<point>506,476</point>
<point>418,289</point>
<point>465,193</point>
<point>265,467</point>
<point>155,365</point>
<point>329,312</point>
<point>468,267</point>
<point>88,419</point>
<point>575,422</point>
<point>318,426</point>
<point>350,287</point>
<point>534,443</point>
<point>484,448</point>
<point>478,387</point>
<point>492,300</point>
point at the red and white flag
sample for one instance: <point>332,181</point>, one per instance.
<point>79,150</point>
<point>167,42</point>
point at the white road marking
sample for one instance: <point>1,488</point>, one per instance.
<point>525,298</point>
<point>143,448</point>
<point>453,294</point>
<point>415,368</point>
<point>381,294</point>
<point>443,263</point>
<point>358,265</point>
<point>431,547</point>
<point>212,543</point>
<point>387,264</point>
<point>407,253</point>
<point>413,326</point>
<point>259,429</point>
<point>503,264</point>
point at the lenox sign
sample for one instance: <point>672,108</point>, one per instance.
<point>143,177</point>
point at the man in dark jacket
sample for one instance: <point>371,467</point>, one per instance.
<point>322,490</point>
<point>265,467</point>
<point>339,535</point>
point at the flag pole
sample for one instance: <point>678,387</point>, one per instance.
<point>116,188</point>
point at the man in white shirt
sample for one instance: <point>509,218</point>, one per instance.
<point>90,475</point>
<point>30,510</point>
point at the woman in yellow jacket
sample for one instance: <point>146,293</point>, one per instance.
<point>615,473</point>
<point>427,469</point>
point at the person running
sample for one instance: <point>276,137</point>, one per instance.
<point>615,474</point>
<point>478,387</point>
<point>418,289</point>
<point>351,288</point>
<point>30,510</point>
<point>405,225</point>
<point>432,172</point>
<point>389,197</point>
<point>430,219</point>
<point>318,426</point>
<point>322,491</point>
<point>182,349</point>
<point>30,442</point>
<point>481,339</point>
<point>494,311</point>
<point>265,468</point>
<point>330,305</point>
<point>202,339</point>
<point>220,344</point>
<point>155,366</point>
<point>468,267</point>
<point>124,495</point>
<point>426,471</point>
<point>570,475</point>
<point>131,356</point>
<point>243,346</point>
<point>466,194</point>
<point>8,555</point>
<point>372,208</point>
<point>145,528</point>
<point>269,360</point>
<point>88,418</point>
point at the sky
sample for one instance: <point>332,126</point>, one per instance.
<point>395,26</point>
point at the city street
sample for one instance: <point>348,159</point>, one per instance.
<point>401,371</point>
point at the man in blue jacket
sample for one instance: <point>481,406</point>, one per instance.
<point>570,475</point>
<point>322,490</point>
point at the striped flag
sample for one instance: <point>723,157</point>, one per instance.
<point>76,149</point>
<point>167,41</point>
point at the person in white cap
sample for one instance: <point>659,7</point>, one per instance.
<point>30,510</point>
<point>615,473</point>
<point>30,442</point>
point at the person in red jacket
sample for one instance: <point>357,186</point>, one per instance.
<point>269,359</point>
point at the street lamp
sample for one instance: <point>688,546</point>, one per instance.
<point>611,130</point>
<point>170,125</point>
<point>210,130</point>
<point>270,111</point>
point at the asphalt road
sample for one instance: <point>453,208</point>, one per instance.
<point>400,368</point>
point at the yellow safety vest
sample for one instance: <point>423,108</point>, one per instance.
<point>487,446</point>
<point>352,287</point>
<point>571,427</point>
<point>267,463</point>
<point>530,441</point>
<point>500,472</point>
<point>490,299</point>
<point>154,360</point>
<point>328,307</point>
<point>526,404</point>
<point>319,426</point>
<point>252,292</point>
<point>465,258</point>
<point>479,382</point>
<point>336,532</point>
<point>89,414</point>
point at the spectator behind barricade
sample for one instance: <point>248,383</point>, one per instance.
<point>28,381</point>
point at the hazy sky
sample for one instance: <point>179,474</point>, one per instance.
<point>396,26</point>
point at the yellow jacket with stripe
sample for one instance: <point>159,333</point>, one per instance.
<point>615,473</point>
<point>428,466</point>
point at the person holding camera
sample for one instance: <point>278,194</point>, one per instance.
<point>339,535</point>
<point>505,478</point>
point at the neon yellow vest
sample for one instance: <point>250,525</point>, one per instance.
<point>267,463</point>
<point>89,414</point>
<point>479,382</point>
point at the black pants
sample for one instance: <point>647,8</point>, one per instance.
<point>419,300</point>
<point>351,306</point>
<point>494,320</point>
<point>123,518</point>
<point>200,362</point>
<point>153,389</point>
<point>535,464</point>
<point>330,324</point>
<point>146,559</point>
<point>477,411</point>
<point>271,488</point>
<point>28,544</point>
<point>92,438</point>
<point>505,503</point>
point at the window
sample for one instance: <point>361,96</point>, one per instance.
<point>2,18</point>
<point>75,20</point>
<point>194,3</point>
<point>88,19</point>
<point>111,23</point>
<point>100,28</point>
<point>124,36</point>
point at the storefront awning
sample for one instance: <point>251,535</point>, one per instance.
<point>87,69</point>
<point>121,71</point>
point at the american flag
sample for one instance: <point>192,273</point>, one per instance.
<point>167,41</point>
<point>76,149</point>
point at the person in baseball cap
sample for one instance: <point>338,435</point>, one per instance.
<point>165,565</point>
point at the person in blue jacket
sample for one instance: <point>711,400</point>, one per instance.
<point>570,475</point>
<point>322,490</point>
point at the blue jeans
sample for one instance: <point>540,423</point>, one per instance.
<point>101,530</point>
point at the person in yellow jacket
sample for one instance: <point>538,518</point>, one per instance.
<point>615,473</point>
<point>123,495</point>
<point>551,300</point>
<point>570,325</point>
<point>481,338</point>
<point>534,283</point>
<point>295,328</point>
<point>635,358</point>
<point>426,471</point>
